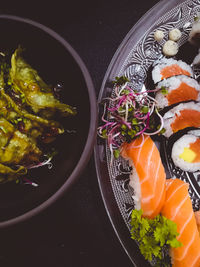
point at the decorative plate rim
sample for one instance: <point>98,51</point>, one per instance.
<point>131,40</point>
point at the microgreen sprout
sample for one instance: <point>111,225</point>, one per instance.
<point>27,181</point>
<point>127,115</point>
<point>43,163</point>
<point>120,80</point>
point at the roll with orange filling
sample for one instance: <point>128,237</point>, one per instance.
<point>180,117</point>
<point>177,89</point>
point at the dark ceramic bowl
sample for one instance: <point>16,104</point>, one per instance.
<point>56,61</point>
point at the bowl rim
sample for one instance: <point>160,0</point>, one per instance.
<point>88,148</point>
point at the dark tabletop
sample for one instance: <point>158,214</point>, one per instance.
<point>75,231</point>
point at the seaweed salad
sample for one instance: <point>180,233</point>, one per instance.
<point>28,108</point>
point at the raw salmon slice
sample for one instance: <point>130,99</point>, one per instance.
<point>178,208</point>
<point>173,70</point>
<point>148,174</point>
<point>183,93</point>
<point>187,118</point>
<point>195,147</point>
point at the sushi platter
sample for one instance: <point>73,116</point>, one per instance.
<point>159,58</point>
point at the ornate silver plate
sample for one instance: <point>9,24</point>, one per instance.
<point>134,59</point>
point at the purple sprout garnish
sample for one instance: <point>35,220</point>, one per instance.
<point>127,115</point>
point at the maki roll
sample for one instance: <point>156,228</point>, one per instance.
<point>185,151</point>
<point>177,89</point>
<point>168,67</point>
<point>180,117</point>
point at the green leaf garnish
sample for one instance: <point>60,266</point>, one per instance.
<point>144,109</point>
<point>155,236</point>
<point>121,80</point>
<point>120,109</point>
<point>137,128</point>
<point>164,91</point>
<point>161,131</point>
<point>52,153</point>
<point>116,153</point>
<point>125,92</point>
<point>124,127</point>
<point>134,121</point>
<point>104,133</point>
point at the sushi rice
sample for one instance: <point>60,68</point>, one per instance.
<point>135,184</point>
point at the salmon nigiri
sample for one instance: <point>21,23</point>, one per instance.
<point>148,174</point>
<point>178,208</point>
